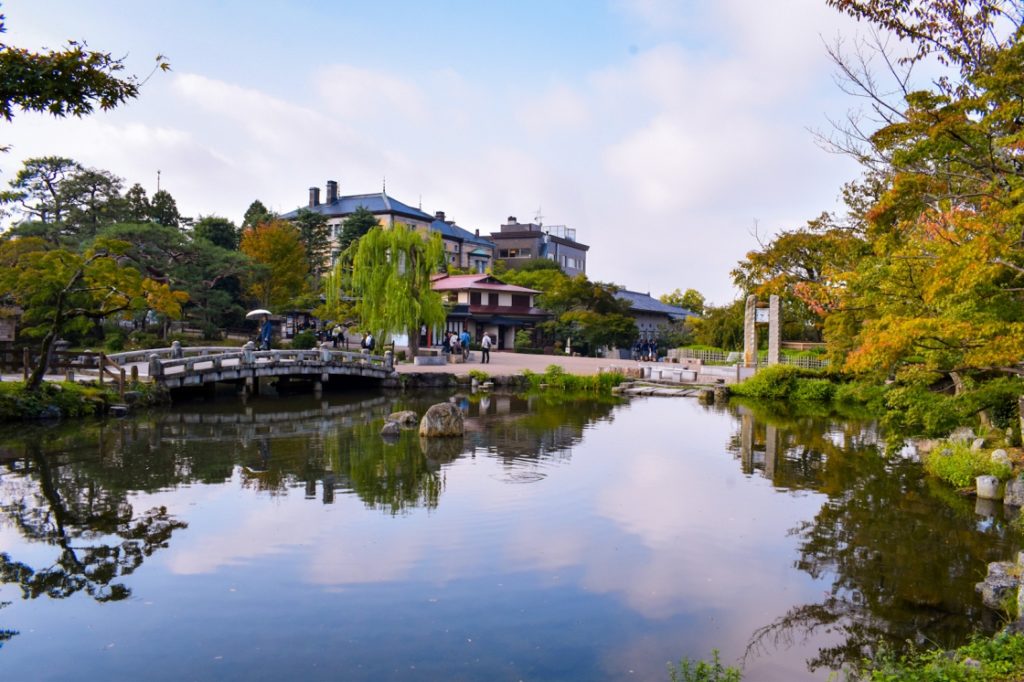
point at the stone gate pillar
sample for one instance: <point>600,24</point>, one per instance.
<point>774,330</point>
<point>750,333</point>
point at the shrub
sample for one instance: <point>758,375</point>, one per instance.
<point>915,409</point>
<point>479,375</point>
<point>983,659</point>
<point>771,383</point>
<point>702,671</point>
<point>813,390</point>
<point>556,377</point>
<point>304,340</point>
<point>957,464</point>
<point>524,339</point>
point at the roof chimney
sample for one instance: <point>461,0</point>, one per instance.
<point>332,191</point>
<point>512,220</point>
<point>478,232</point>
<point>439,215</point>
<point>314,197</point>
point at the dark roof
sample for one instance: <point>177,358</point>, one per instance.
<point>453,231</point>
<point>644,303</point>
<point>379,203</point>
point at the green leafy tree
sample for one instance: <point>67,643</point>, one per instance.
<point>163,210</point>
<point>96,202</point>
<point>218,231</point>
<point>40,190</point>
<point>691,300</point>
<point>256,214</point>
<point>60,290</point>
<point>136,208</point>
<point>721,326</point>
<point>209,274</point>
<point>355,226</point>
<point>316,237</point>
<point>391,274</point>
<point>67,82</point>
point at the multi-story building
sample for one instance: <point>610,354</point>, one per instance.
<point>518,242</point>
<point>336,208</point>
<point>464,249</point>
<point>483,303</point>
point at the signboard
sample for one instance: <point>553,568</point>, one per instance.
<point>761,315</point>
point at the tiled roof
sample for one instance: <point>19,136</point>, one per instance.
<point>479,282</point>
<point>453,231</point>
<point>374,203</point>
<point>646,304</point>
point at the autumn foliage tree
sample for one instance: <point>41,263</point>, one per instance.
<point>60,290</point>
<point>280,275</point>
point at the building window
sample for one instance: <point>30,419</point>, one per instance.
<point>453,297</point>
<point>474,298</point>
<point>524,253</point>
<point>520,301</point>
<point>502,253</point>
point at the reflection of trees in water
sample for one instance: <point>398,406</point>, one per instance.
<point>545,427</point>
<point>80,507</point>
<point>902,554</point>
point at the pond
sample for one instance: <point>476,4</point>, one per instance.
<point>560,540</point>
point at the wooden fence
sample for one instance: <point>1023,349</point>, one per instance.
<point>70,364</point>
<point>717,357</point>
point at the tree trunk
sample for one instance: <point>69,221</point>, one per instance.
<point>414,341</point>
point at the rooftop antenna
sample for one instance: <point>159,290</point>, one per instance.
<point>384,184</point>
<point>420,205</point>
<point>539,217</point>
<point>158,180</point>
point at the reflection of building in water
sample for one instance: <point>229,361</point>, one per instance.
<point>530,432</point>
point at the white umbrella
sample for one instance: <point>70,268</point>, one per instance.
<point>257,313</point>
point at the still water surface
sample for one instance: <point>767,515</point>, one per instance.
<point>573,541</point>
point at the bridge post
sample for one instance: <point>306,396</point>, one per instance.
<point>135,374</point>
<point>155,368</point>
<point>176,351</point>
<point>389,360</point>
<point>247,352</point>
<point>325,352</point>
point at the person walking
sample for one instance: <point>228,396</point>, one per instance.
<point>485,349</point>
<point>464,342</point>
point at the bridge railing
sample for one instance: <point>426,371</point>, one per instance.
<point>180,361</point>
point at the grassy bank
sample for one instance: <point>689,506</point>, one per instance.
<point>913,410</point>
<point>64,400</point>
<point>554,377</point>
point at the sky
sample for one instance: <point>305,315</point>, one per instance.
<point>669,134</point>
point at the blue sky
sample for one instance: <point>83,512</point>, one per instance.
<point>662,131</point>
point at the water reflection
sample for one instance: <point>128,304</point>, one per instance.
<point>81,509</point>
<point>625,534</point>
<point>900,552</point>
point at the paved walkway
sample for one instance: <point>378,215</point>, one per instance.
<point>505,363</point>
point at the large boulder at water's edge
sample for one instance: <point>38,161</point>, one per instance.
<point>443,419</point>
<point>391,428</point>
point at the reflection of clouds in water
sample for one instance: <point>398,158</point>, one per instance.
<point>652,521</point>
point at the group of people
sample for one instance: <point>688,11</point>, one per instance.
<point>645,350</point>
<point>459,343</point>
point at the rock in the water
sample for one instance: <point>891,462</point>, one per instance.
<point>977,444</point>
<point>988,487</point>
<point>406,418</point>
<point>1014,494</point>
<point>391,428</point>
<point>1000,582</point>
<point>118,410</point>
<point>1000,457</point>
<point>442,419</point>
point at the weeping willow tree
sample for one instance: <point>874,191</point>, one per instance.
<point>391,279</point>
<point>336,287</point>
